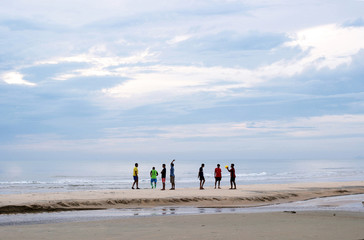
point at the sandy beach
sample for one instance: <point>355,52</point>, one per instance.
<point>280,226</point>
<point>244,196</point>
<point>267,225</point>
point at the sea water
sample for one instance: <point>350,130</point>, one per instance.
<point>118,175</point>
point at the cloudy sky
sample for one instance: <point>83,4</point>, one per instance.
<point>126,80</point>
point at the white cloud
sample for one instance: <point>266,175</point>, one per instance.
<point>160,83</point>
<point>93,57</point>
<point>329,45</point>
<point>323,46</point>
<point>98,64</point>
<point>178,39</point>
<point>15,78</point>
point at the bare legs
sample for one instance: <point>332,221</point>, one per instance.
<point>135,183</point>
<point>202,182</point>
<point>232,182</point>
<point>218,183</point>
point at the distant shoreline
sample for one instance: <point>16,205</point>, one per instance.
<point>244,196</point>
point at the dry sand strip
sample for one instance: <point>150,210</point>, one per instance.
<point>272,226</point>
<point>244,196</point>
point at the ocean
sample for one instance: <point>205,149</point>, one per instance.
<point>118,175</point>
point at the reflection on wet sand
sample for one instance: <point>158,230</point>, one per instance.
<point>351,203</point>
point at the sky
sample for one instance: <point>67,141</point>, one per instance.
<point>193,80</point>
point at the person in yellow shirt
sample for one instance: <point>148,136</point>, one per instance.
<point>135,176</point>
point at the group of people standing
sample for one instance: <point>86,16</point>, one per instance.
<point>154,174</point>
<point>218,176</point>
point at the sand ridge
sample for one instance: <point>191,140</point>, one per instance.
<point>244,196</point>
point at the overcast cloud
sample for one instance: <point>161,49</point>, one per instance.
<point>196,79</point>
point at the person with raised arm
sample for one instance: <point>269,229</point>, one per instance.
<point>172,176</point>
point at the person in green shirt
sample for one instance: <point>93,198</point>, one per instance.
<point>153,176</point>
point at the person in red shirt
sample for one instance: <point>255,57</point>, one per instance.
<point>232,176</point>
<point>217,175</point>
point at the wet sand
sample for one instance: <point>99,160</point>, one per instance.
<point>280,226</point>
<point>333,225</point>
<point>244,196</point>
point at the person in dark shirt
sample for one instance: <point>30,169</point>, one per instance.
<point>201,176</point>
<point>232,176</point>
<point>164,173</point>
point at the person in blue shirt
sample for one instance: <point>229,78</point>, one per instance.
<point>172,176</point>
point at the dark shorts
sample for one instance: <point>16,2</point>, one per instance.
<point>172,179</point>
<point>202,178</point>
<point>153,180</point>
<point>135,178</point>
<point>218,178</point>
<point>232,179</point>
